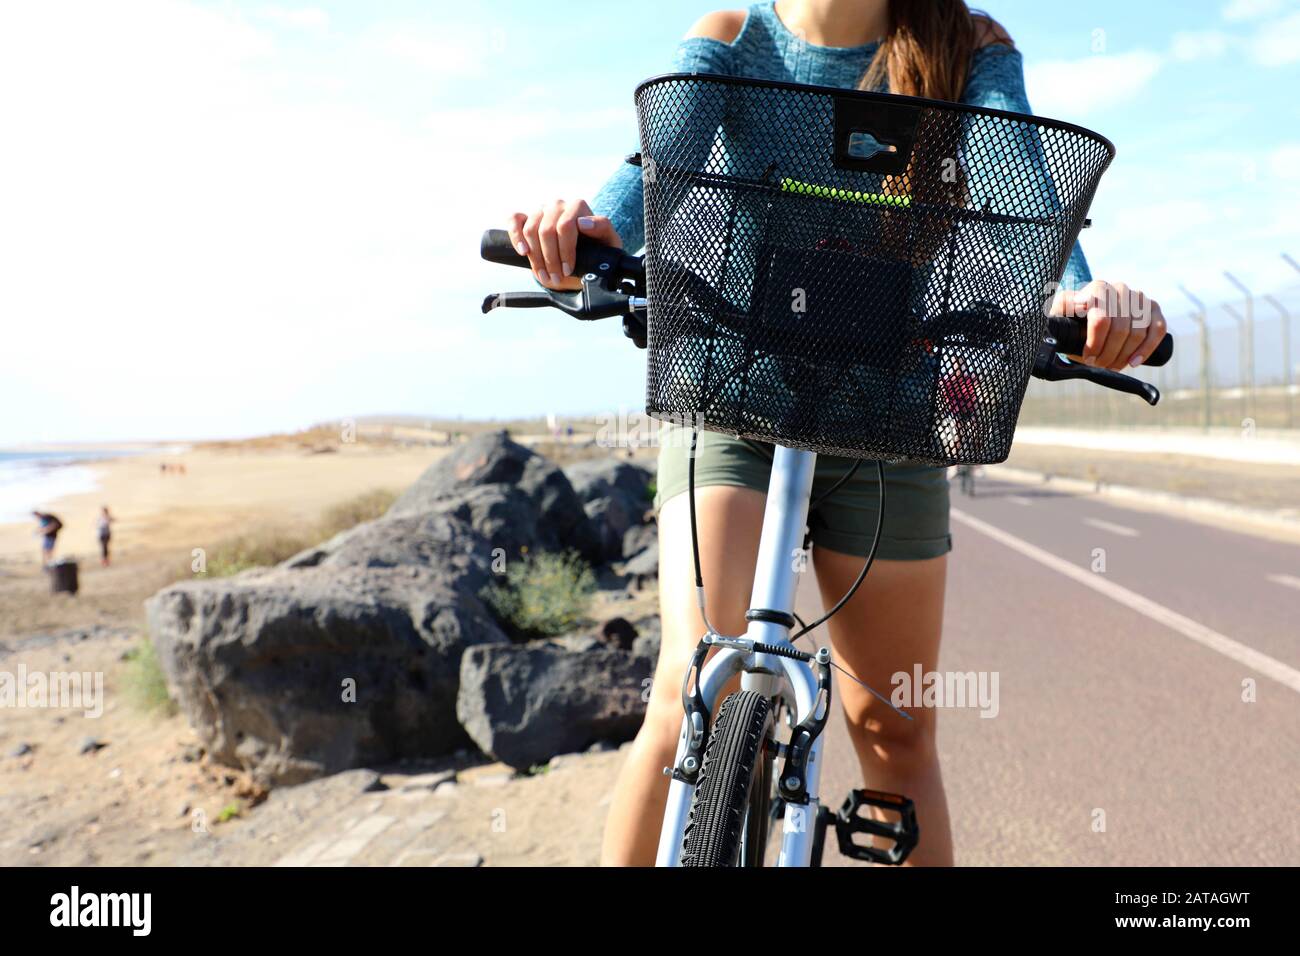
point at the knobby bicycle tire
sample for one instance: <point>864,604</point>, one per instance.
<point>732,768</point>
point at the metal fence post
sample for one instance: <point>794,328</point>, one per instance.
<point>1286,357</point>
<point>1242,368</point>
<point>1199,318</point>
<point>1286,340</point>
<point>1248,323</point>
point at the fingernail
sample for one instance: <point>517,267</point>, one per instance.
<point>1135,361</point>
<point>541,276</point>
<point>1090,360</point>
<point>586,222</point>
<point>556,279</point>
<point>521,247</point>
<point>568,269</point>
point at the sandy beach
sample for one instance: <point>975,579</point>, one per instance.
<point>140,781</point>
<point>221,490</point>
<point>227,489</point>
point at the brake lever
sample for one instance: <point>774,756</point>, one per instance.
<point>593,301</point>
<point>1051,367</point>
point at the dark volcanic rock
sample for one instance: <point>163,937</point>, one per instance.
<point>354,652</point>
<point>618,632</point>
<point>616,498</point>
<point>602,477</point>
<point>493,459</point>
<point>262,665</point>
<point>526,704</point>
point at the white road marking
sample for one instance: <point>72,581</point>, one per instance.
<point>1111,527</point>
<point>1193,630</point>
<point>1286,580</point>
<point>1017,499</point>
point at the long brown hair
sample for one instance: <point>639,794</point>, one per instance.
<point>926,50</point>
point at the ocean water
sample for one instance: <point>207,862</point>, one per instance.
<point>35,479</point>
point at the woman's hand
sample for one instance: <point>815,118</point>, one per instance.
<point>549,238</point>
<point>1124,325</point>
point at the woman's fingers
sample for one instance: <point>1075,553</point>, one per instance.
<point>1155,333</point>
<point>549,238</point>
<point>516,232</point>
<point>1135,307</point>
<point>1124,326</point>
<point>536,261</point>
<point>566,228</point>
<point>1092,298</point>
<point>1118,325</point>
<point>600,229</point>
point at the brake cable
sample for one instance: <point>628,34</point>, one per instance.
<point>839,605</point>
<point>871,557</point>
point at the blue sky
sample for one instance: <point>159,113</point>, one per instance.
<point>236,217</point>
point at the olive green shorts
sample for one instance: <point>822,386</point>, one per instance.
<point>916,496</point>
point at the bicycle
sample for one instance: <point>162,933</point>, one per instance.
<point>966,479</point>
<point>916,279</point>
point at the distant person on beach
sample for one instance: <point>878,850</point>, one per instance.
<point>104,530</point>
<point>49,529</point>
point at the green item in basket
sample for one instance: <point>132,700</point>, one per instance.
<point>845,195</point>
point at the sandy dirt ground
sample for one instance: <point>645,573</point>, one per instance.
<point>1265,486</point>
<point>120,799</point>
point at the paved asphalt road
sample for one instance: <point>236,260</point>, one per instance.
<point>1126,700</point>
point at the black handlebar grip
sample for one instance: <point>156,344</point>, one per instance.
<point>589,256</point>
<point>1072,335</point>
<point>496,247</point>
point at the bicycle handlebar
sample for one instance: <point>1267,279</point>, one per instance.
<point>613,283</point>
<point>1071,335</point>
<point>591,256</point>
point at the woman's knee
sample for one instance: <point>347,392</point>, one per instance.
<point>890,740</point>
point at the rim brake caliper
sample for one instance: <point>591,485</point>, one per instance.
<point>793,781</point>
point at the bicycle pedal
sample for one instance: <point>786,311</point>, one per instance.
<point>903,832</point>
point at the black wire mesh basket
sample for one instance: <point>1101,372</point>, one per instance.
<point>852,273</point>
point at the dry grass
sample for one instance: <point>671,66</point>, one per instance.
<point>143,681</point>
<point>268,546</point>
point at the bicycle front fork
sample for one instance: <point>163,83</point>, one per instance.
<point>781,561</point>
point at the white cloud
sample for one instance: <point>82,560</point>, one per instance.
<point>1199,45</point>
<point>504,126</point>
<point>230,256</point>
<point>1278,43</point>
<point>1283,162</point>
<point>309,19</point>
<point>1073,87</point>
<point>1237,10</point>
<point>1155,225</point>
<point>437,53</point>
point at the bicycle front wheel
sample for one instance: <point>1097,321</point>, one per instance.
<point>731,803</point>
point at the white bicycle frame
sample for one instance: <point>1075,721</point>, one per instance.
<point>776,578</point>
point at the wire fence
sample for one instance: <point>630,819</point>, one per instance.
<point>1236,365</point>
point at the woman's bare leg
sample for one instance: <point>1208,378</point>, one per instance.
<point>893,623</point>
<point>730,520</point>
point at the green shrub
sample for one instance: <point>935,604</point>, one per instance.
<point>143,682</point>
<point>542,595</point>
